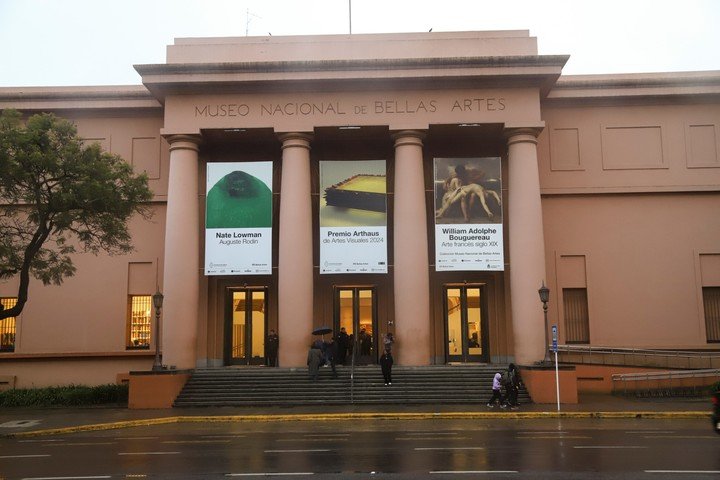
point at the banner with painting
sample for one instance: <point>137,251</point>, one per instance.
<point>238,218</point>
<point>468,214</point>
<point>353,217</point>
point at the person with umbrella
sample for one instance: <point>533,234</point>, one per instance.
<point>320,346</point>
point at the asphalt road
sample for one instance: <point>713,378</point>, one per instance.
<point>437,449</point>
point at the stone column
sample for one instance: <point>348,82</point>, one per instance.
<point>527,245</point>
<point>181,273</point>
<point>412,283</point>
<point>295,252</point>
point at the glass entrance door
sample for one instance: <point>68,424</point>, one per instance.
<point>356,312</point>
<point>245,323</point>
<point>465,335</point>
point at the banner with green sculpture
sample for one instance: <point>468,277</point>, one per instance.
<point>238,218</point>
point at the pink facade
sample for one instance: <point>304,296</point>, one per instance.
<point>610,195</point>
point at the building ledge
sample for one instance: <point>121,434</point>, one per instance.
<point>73,355</point>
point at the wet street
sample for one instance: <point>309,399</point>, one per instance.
<point>438,449</point>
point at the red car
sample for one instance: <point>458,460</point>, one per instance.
<point>716,412</point>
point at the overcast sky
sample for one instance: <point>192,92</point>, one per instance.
<point>97,42</point>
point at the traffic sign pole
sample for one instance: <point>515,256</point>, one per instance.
<point>557,374</point>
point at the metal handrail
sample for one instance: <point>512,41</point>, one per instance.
<point>639,357</point>
<point>669,383</point>
<point>639,351</point>
<point>669,375</point>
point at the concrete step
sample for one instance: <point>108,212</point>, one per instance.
<point>232,386</point>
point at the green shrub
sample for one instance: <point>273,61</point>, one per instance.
<point>71,395</point>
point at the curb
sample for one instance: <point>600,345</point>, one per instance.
<point>355,416</point>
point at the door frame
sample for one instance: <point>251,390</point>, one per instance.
<point>465,357</point>
<point>248,359</point>
<point>356,313</point>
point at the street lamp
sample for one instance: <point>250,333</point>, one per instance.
<point>544,293</point>
<point>157,303</point>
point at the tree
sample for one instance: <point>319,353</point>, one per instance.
<point>58,195</point>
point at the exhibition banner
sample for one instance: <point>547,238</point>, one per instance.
<point>238,218</point>
<point>468,214</point>
<point>353,217</point>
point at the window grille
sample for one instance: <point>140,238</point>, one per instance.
<point>711,302</point>
<point>7,327</point>
<point>139,321</point>
<point>577,321</point>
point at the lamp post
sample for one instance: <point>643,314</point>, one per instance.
<point>544,293</point>
<point>157,303</point>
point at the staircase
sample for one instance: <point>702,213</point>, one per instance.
<point>259,386</point>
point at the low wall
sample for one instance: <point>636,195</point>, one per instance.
<point>38,371</point>
<point>540,383</point>
<point>598,379</point>
<point>156,389</point>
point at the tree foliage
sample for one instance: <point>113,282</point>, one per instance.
<point>58,195</point>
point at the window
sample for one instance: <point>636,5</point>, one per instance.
<point>7,327</point>
<point>139,321</point>
<point>711,302</point>
<point>577,322</point>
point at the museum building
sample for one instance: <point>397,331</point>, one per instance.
<point>423,184</point>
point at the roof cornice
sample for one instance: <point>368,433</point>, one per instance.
<point>640,87</point>
<point>111,98</point>
<point>182,78</point>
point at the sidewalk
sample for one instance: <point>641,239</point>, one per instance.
<point>30,421</point>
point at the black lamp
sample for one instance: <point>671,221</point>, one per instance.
<point>544,293</point>
<point>157,303</point>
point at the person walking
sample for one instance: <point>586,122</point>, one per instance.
<point>513,386</point>
<point>386,363</point>
<point>497,395</point>
<point>272,344</point>
<point>314,360</point>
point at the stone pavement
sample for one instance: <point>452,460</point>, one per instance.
<point>46,421</point>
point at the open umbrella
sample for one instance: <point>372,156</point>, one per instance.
<point>322,331</point>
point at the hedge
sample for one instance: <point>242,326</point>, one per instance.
<point>71,395</point>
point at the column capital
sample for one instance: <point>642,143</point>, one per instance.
<point>408,137</point>
<point>527,134</point>
<point>184,142</point>
<point>295,139</point>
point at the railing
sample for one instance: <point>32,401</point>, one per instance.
<point>670,383</point>
<point>640,357</point>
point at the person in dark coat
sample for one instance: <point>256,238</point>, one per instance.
<point>513,385</point>
<point>342,345</point>
<point>331,353</point>
<point>386,363</point>
<point>272,344</point>
<point>364,340</point>
<point>314,360</point>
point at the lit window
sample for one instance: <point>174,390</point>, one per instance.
<point>7,327</point>
<point>139,321</point>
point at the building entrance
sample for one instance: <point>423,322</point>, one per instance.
<point>465,323</point>
<point>355,310</point>
<point>245,325</point>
